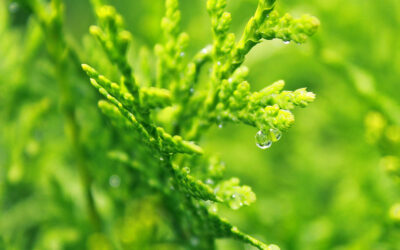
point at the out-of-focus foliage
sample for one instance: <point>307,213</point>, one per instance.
<point>331,182</point>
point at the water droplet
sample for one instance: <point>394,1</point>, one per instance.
<point>182,54</point>
<point>219,121</point>
<point>230,80</point>
<point>286,42</point>
<point>262,140</point>
<point>114,181</point>
<point>194,241</point>
<point>161,159</point>
<point>236,201</point>
<point>191,90</point>
<point>219,63</point>
<point>13,7</point>
<point>187,170</point>
<point>209,181</point>
<point>276,134</point>
<point>204,51</point>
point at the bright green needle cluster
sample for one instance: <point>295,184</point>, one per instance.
<point>229,97</point>
<point>188,108</point>
<point>236,196</point>
<point>288,28</point>
<point>192,186</point>
<point>171,52</point>
<point>124,107</point>
<point>265,109</point>
<point>115,40</point>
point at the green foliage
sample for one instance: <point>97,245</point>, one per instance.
<point>227,97</point>
<point>153,165</point>
<point>168,160</point>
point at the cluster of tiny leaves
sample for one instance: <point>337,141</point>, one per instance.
<point>132,105</point>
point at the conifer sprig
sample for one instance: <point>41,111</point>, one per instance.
<point>192,109</point>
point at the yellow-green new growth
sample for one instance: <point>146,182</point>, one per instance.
<point>124,102</point>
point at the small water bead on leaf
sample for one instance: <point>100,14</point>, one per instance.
<point>263,140</point>
<point>219,121</point>
<point>206,50</point>
<point>194,241</point>
<point>286,42</point>
<point>276,134</point>
<point>235,204</point>
<point>114,181</point>
<point>187,170</point>
<point>213,208</point>
<point>209,181</point>
<point>13,7</point>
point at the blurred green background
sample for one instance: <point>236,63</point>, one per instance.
<point>322,186</point>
